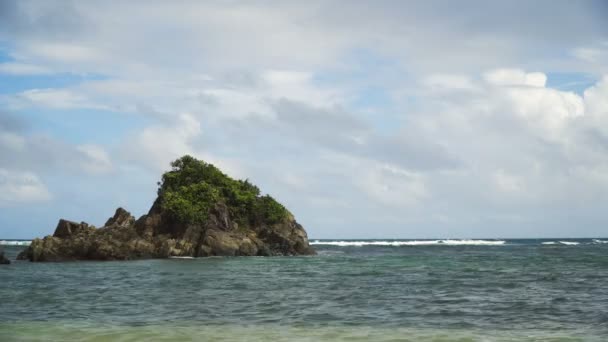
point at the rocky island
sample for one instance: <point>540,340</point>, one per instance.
<point>199,212</point>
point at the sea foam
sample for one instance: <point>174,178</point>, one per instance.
<point>15,242</point>
<point>411,243</point>
<point>181,257</point>
<point>567,243</point>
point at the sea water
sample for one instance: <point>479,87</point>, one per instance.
<point>377,290</point>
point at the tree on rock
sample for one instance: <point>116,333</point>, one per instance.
<point>193,186</point>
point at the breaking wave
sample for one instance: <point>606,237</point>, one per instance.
<point>567,243</point>
<point>576,243</point>
<point>15,242</point>
<point>411,243</point>
<point>182,257</point>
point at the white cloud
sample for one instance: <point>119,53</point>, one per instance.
<point>419,120</point>
<point>449,81</point>
<point>52,98</point>
<point>298,86</point>
<point>156,146</point>
<point>507,182</point>
<point>12,141</point>
<point>64,52</point>
<point>595,54</point>
<point>382,184</point>
<point>21,187</point>
<point>587,54</point>
<point>12,68</point>
<point>42,153</point>
<point>550,111</point>
<point>520,140</point>
<point>515,77</point>
<point>96,159</point>
<point>596,105</point>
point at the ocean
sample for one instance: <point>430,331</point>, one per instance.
<point>364,290</point>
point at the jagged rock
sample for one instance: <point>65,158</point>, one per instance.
<point>121,218</point>
<point>66,229</point>
<point>223,231</point>
<point>3,259</point>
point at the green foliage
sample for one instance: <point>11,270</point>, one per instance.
<point>269,210</point>
<point>193,187</point>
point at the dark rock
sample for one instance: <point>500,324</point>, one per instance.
<point>156,236</point>
<point>66,229</point>
<point>121,218</point>
<point>3,259</point>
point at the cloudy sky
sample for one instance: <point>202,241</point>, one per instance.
<point>365,118</point>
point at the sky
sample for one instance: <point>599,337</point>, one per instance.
<point>366,119</point>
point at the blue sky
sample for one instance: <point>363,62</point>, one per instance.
<point>367,119</point>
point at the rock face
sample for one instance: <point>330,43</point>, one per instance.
<point>3,259</point>
<point>155,236</point>
<point>162,234</point>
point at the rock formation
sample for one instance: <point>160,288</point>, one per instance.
<point>199,212</point>
<point>3,259</point>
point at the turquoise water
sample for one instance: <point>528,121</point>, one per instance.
<point>509,290</point>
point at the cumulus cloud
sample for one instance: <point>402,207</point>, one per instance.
<point>596,104</point>
<point>157,146</point>
<point>20,149</point>
<point>394,115</point>
<point>21,187</point>
<point>96,159</point>
<point>106,38</point>
<point>515,77</point>
<point>526,140</point>
<point>546,110</point>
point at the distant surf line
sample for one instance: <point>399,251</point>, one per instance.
<point>448,242</point>
<point>397,243</point>
<point>15,242</point>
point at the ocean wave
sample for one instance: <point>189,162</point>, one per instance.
<point>181,257</point>
<point>15,242</point>
<point>600,241</point>
<point>411,243</point>
<point>567,243</point>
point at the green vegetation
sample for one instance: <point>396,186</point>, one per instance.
<point>193,187</point>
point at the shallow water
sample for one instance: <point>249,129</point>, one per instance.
<point>366,290</point>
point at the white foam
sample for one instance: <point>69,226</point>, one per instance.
<point>473,242</point>
<point>600,241</point>
<point>550,243</point>
<point>411,243</point>
<point>181,257</point>
<point>15,243</point>
<point>569,243</point>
